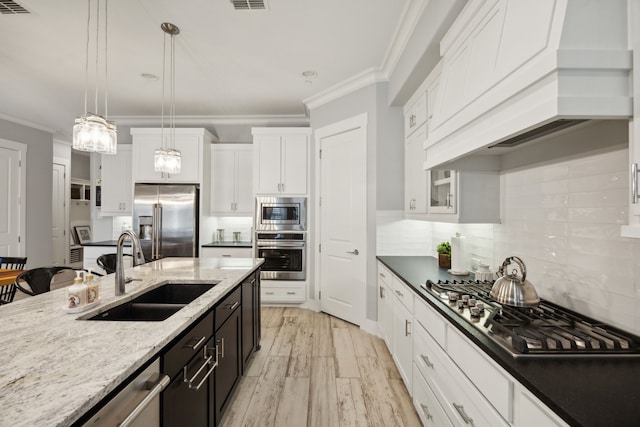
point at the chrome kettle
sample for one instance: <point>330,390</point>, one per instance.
<point>512,290</point>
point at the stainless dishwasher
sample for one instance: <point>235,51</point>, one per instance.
<point>137,405</point>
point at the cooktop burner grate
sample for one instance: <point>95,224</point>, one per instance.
<point>546,329</point>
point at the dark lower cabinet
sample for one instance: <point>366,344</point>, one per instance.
<point>183,402</point>
<point>250,317</point>
<point>227,374</point>
<point>202,383</point>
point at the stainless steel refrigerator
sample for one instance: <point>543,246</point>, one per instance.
<point>165,217</point>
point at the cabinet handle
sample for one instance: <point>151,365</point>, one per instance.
<point>426,361</point>
<point>154,390</point>
<point>197,344</point>
<point>234,305</point>
<point>466,418</point>
<point>407,328</point>
<point>449,200</point>
<point>190,381</point>
<point>221,345</point>
<point>291,293</point>
<point>425,409</point>
<point>382,275</point>
<point>399,293</point>
<point>226,255</point>
<point>634,183</point>
<point>268,292</point>
<point>381,292</point>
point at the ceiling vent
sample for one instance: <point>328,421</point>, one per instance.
<point>249,4</point>
<point>8,7</point>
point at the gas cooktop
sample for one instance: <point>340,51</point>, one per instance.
<point>544,330</point>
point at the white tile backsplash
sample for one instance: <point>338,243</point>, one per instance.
<point>563,219</point>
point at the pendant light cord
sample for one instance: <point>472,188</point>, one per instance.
<point>173,91</point>
<point>97,49</point>
<point>86,63</point>
<point>164,83</point>
<point>106,79</point>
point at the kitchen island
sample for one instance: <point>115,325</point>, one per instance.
<point>56,366</point>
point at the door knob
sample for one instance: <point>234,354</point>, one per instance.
<point>355,252</point>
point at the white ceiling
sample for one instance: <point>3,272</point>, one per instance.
<point>228,62</point>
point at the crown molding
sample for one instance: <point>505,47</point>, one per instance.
<point>365,78</point>
<point>27,123</point>
<point>254,120</point>
<point>409,19</point>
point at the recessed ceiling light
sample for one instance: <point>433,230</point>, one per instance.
<point>309,74</point>
<point>149,76</point>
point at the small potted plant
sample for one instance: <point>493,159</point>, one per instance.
<point>444,255</point>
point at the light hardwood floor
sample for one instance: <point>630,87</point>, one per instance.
<point>317,370</point>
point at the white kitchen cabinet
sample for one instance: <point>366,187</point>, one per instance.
<point>232,179</point>
<point>426,403</point>
<point>190,142</point>
<point>467,196</point>
<point>226,252</point>
<point>117,188</point>
<point>403,331</point>
<point>385,305</point>
<point>415,113</point>
<point>530,412</point>
<point>281,160</point>
<point>415,177</point>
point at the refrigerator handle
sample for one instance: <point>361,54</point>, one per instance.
<point>157,226</point>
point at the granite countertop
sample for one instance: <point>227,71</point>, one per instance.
<point>56,367</point>
<point>584,391</point>
<point>228,245</point>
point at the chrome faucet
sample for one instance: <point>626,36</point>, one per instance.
<point>138,258</point>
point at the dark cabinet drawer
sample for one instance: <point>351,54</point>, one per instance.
<point>227,306</point>
<point>187,346</point>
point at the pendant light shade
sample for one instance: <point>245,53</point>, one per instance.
<point>92,132</point>
<point>166,158</point>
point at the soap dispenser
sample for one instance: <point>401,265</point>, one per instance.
<point>77,293</point>
<point>93,288</point>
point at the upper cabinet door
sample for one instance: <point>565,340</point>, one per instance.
<point>117,189</point>
<point>281,160</point>
<point>232,179</point>
<point>244,186</point>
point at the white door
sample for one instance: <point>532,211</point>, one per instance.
<point>12,193</point>
<point>58,217</point>
<point>342,219</point>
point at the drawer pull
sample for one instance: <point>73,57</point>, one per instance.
<point>407,328</point>
<point>269,292</point>
<point>382,275</point>
<point>291,293</point>
<point>226,255</point>
<point>222,346</point>
<point>381,292</point>
<point>426,361</point>
<point>425,409</point>
<point>234,305</point>
<point>400,294</point>
<point>197,344</point>
<point>192,379</point>
<point>466,418</point>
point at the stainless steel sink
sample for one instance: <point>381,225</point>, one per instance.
<point>156,304</point>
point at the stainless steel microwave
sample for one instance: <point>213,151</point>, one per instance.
<point>281,213</point>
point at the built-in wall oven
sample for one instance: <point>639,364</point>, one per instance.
<point>281,213</point>
<point>284,255</point>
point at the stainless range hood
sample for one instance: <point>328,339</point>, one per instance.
<point>515,71</point>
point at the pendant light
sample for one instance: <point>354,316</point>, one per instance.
<point>167,159</point>
<point>92,132</point>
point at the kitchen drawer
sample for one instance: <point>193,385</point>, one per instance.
<point>220,252</point>
<point>227,306</point>
<point>184,349</point>
<point>455,392</point>
<point>530,412</point>
<point>426,403</point>
<point>384,274</point>
<point>433,322</point>
<point>294,293</point>
<point>489,379</point>
<point>404,294</point>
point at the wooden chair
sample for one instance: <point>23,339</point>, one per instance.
<point>13,263</point>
